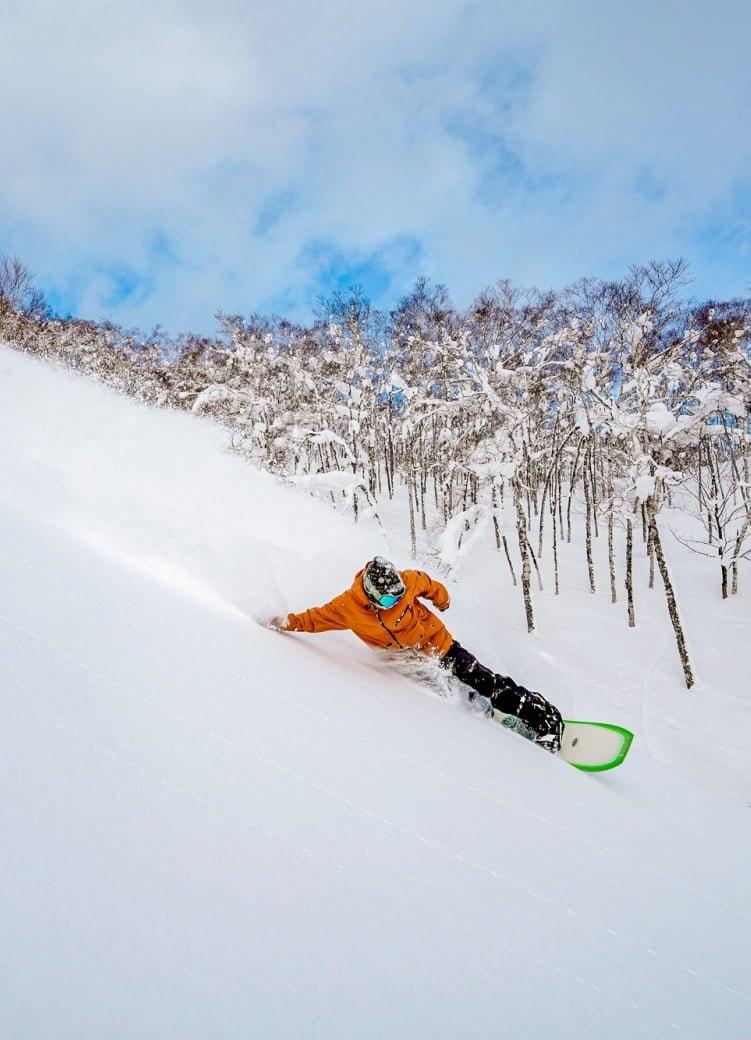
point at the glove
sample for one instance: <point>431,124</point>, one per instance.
<point>446,607</point>
<point>279,624</point>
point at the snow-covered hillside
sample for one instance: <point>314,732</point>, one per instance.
<point>211,830</point>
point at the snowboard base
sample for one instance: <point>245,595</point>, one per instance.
<point>594,746</point>
<point>590,746</point>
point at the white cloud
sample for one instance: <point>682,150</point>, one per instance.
<point>205,146</point>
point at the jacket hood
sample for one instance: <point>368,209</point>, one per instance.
<point>358,589</point>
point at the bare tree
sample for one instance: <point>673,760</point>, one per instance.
<point>17,290</point>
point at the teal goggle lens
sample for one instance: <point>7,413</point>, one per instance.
<point>389,601</point>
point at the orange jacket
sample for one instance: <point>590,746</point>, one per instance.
<point>408,624</point>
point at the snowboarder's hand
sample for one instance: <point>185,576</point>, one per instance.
<point>279,624</point>
<point>446,606</point>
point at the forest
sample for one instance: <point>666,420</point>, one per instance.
<point>615,403</point>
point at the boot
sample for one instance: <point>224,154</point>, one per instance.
<point>543,717</point>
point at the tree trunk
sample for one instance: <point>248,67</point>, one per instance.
<point>521,526</point>
<point>630,573</point>
<point>593,485</point>
<point>611,554</point>
<point>508,557</point>
<point>412,528</point>
<point>611,560</point>
<point>534,561</point>
<point>555,548</point>
<point>571,489</point>
<point>675,619</point>
<point>589,510</point>
<point>651,557</point>
<point>423,493</point>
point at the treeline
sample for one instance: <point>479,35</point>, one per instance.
<point>613,398</point>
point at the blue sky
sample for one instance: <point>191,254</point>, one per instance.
<point>181,157</point>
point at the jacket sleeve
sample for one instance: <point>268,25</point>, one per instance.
<point>426,588</point>
<point>327,618</point>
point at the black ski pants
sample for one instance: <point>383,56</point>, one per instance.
<point>502,692</point>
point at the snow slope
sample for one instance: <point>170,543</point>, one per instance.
<point>211,830</point>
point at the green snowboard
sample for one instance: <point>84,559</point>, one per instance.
<point>591,746</point>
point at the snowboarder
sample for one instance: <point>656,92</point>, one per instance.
<point>383,608</point>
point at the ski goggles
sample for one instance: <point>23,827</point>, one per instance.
<point>382,599</point>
